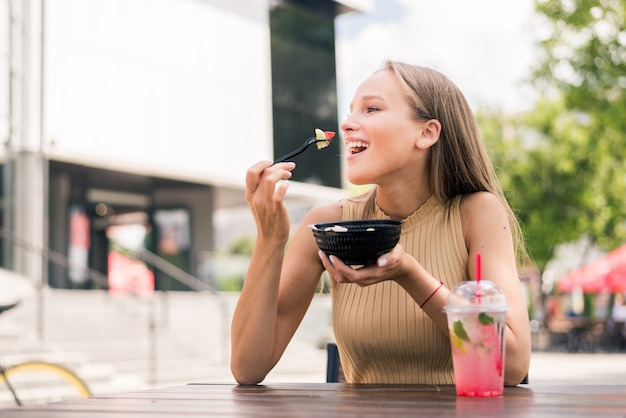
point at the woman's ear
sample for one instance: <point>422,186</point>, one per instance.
<point>429,133</point>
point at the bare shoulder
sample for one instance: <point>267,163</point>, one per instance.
<point>302,265</point>
<point>483,210</point>
<point>323,213</point>
<point>483,204</point>
<point>480,200</point>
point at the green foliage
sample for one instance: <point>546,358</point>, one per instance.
<point>242,246</point>
<point>562,164</point>
<point>583,48</point>
<point>587,56</point>
<point>540,168</point>
<point>230,284</point>
<point>560,183</point>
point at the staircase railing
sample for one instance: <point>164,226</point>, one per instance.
<point>101,279</point>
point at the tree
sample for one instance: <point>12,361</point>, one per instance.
<point>539,161</point>
<point>562,164</point>
<point>585,60</point>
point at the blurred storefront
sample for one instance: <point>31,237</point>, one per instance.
<point>586,311</point>
<point>128,116</point>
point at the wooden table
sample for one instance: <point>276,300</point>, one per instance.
<point>336,399</point>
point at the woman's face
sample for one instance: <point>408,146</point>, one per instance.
<point>380,134</point>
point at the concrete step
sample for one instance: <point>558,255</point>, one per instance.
<point>114,343</point>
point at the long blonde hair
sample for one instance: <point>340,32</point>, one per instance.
<point>459,162</point>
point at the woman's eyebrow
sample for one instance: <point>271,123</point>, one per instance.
<point>372,96</point>
<point>366,98</point>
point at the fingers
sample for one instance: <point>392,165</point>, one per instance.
<point>272,184</point>
<point>280,191</point>
<point>329,265</point>
<point>253,175</point>
<point>385,269</point>
<point>265,193</point>
<point>391,258</point>
<point>341,272</point>
<point>269,174</point>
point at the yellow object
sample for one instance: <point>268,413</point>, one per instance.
<point>457,341</point>
<point>46,367</point>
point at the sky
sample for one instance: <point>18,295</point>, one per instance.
<point>485,46</point>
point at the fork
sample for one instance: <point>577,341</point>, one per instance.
<point>320,137</point>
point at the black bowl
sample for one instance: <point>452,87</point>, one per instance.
<point>357,242</point>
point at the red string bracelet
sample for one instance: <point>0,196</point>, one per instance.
<point>431,295</point>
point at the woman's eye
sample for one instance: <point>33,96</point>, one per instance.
<point>371,109</point>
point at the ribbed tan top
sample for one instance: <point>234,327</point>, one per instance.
<point>382,335</point>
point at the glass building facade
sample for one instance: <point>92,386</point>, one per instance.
<point>304,91</point>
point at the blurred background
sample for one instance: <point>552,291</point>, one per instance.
<point>127,127</point>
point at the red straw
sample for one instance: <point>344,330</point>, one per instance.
<point>478,276</point>
<point>478,269</point>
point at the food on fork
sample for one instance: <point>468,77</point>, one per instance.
<point>323,137</point>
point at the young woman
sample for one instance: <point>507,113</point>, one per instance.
<point>412,135</point>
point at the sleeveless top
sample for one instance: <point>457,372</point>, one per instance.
<point>382,335</point>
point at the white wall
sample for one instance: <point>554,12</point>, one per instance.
<point>4,74</point>
<point>180,88</point>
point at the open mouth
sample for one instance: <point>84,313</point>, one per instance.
<point>356,147</point>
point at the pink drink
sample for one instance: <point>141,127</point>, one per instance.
<point>476,321</point>
<point>477,353</point>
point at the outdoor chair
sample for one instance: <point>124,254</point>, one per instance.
<point>334,373</point>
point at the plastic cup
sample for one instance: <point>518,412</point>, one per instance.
<point>476,320</point>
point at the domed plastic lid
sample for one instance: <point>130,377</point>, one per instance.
<point>469,296</point>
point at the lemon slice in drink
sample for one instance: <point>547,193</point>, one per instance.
<point>457,341</point>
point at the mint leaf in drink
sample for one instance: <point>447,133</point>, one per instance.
<point>485,319</point>
<point>459,331</point>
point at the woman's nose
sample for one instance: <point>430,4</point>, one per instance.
<point>348,124</point>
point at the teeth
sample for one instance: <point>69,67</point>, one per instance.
<point>357,144</point>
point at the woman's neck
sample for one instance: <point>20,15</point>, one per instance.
<point>401,204</point>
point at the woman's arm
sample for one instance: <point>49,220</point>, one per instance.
<point>488,232</point>
<point>279,286</point>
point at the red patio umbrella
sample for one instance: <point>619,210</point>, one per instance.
<point>605,273</point>
<point>616,279</point>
